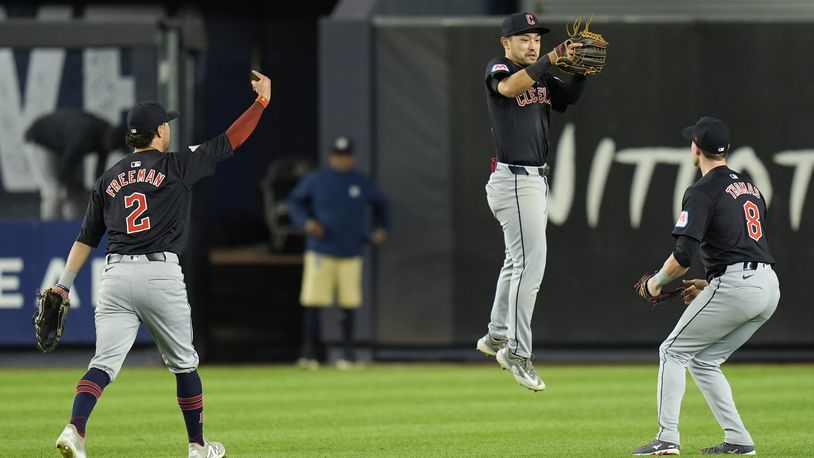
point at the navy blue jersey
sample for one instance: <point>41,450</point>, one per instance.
<point>144,200</point>
<point>340,202</point>
<point>726,213</point>
<point>520,125</point>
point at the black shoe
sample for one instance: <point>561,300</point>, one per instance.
<point>726,448</point>
<point>658,447</point>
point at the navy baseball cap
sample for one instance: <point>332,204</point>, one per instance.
<point>710,134</point>
<point>521,23</point>
<point>147,116</point>
<point>342,146</point>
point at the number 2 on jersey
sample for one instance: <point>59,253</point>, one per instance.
<point>140,201</point>
<point>753,225</point>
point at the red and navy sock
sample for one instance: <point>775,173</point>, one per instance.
<point>190,400</point>
<point>88,391</point>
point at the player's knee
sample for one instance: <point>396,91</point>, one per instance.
<point>670,354</point>
<point>666,350</point>
<point>180,365</point>
<point>701,364</point>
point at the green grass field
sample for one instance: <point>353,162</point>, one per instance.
<point>402,410</point>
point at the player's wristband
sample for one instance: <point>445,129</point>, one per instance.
<point>537,69</point>
<point>66,279</point>
<point>263,101</point>
<point>661,279</point>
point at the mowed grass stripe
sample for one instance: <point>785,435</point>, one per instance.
<point>403,410</point>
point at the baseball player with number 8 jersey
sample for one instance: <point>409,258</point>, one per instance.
<point>723,216</point>
<point>143,202</point>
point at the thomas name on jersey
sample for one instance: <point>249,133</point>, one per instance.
<point>740,188</point>
<point>134,176</point>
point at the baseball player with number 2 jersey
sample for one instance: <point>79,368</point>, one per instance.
<point>143,203</point>
<point>723,214</point>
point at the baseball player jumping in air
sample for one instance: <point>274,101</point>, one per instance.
<point>143,203</point>
<point>521,91</point>
<point>724,213</point>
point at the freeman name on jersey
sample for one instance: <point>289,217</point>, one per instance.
<point>134,176</point>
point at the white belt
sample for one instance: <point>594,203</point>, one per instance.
<point>165,256</point>
<point>541,170</point>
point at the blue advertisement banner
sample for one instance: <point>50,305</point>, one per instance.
<point>32,257</point>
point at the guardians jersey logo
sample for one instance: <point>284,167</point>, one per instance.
<point>533,95</point>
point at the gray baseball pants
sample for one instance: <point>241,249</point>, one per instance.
<point>519,202</point>
<point>136,290</point>
<point>720,319</point>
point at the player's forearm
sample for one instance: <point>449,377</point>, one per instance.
<point>670,271</point>
<point>76,259</point>
<point>243,127</point>
<point>516,84</point>
<point>520,82</point>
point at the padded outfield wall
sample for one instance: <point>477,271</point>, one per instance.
<point>412,91</point>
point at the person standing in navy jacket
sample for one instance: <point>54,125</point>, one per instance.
<point>332,205</point>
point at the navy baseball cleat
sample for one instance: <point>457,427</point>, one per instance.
<point>488,345</point>
<point>726,448</point>
<point>657,447</point>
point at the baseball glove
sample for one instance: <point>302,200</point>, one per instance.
<point>49,319</point>
<point>588,59</point>
<point>659,299</point>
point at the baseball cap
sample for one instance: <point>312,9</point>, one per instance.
<point>342,146</point>
<point>520,23</point>
<point>710,134</point>
<point>146,116</point>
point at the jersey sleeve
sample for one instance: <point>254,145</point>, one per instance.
<point>496,70</point>
<point>199,161</point>
<point>696,212</point>
<point>93,226</point>
<point>299,200</point>
<point>381,208</point>
<point>564,91</point>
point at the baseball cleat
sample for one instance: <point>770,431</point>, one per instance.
<point>305,363</point>
<point>521,368</point>
<point>488,345</point>
<point>345,365</point>
<point>207,450</point>
<point>657,447</point>
<point>726,448</point>
<point>70,444</point>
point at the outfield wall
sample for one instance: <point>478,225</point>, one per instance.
<point>619,172</point>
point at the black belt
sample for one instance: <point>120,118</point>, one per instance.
<point>747,265</point>
<point>519,170</point>
<point>114,258</point>
<point>751,265</point>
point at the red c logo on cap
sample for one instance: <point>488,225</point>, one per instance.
<point>530,19</point>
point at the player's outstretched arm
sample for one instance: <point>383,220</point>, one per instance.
<point>243,127</point>
<point>76,259</point>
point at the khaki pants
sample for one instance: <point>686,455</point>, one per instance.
<point>327,277</point>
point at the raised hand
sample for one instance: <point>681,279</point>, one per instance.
<point>262,85</point>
